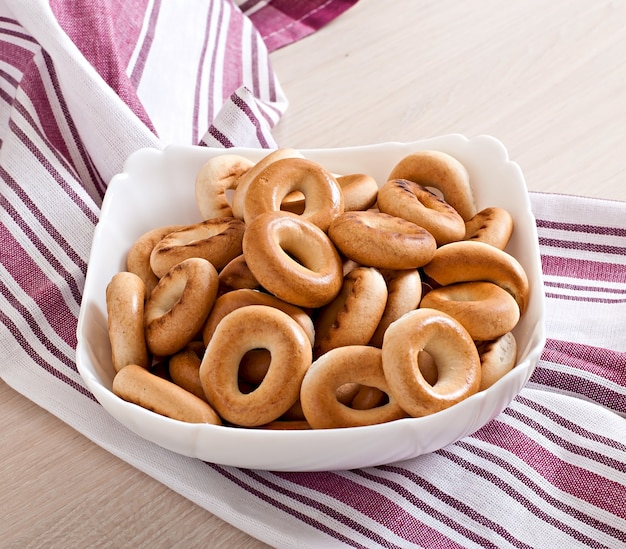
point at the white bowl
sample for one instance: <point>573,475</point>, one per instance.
<point>157,188</point>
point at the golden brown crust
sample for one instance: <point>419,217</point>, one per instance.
<point>497,358</point>
<point>359,191</point>
<point>492,226</point>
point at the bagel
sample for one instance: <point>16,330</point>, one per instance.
<point>184,368</point>
<point>450,346</point>
<point>270,244</point>
<point>484,309</point>
<point>323,199</point>
<point>355,363</point>
<point>359,191</point>
<point>179,305</point>
<point>491,225</point>
<point>470,260</point>
<point>497,358</point>
<point>443,172</point>
<point>216,176</point>
<point>217,240</point>
<point>125,296</point>
<point>290,350</point>
<point>376,239</point>
<point>236,275</point>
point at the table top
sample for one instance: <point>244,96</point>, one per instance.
<point>545,79</point>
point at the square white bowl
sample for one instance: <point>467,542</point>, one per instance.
<point>156,188</point>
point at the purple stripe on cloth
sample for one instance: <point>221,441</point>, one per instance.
<point>244,108</point>
<point>585,299</point>
<point>581,228</point>
<point>582,245</point>
<point>584,288</point>
<point>140,62</point>
<point>373,505</point>
<point>583,269</point>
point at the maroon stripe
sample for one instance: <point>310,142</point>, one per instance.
<point>528,482</point>
<point>17,34</point>
<point>404,492</point>
<point>305,518</point>
<point>581,228</point>
<point>140,62</point>
<point>585,299</point>
<point>582,245</point>
<point>581,483</point>
<point>584,288</point>
<point>244,107</point>
<point>374,505</point>
<point>219,137</point>
<point>604,363</point>
<point>231,78</point>
<point>583,269</point>
<point>23,341</point>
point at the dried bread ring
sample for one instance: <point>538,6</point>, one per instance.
<point>376,239</point>
<point>352,317</point>
<point>216,176</point>
<point>355,363</point>
<point>266,328</point>
<point>471,260</point>
<point>415,203</point>
<point>270,244</point>
<point>138,258</point>
<point>359,191</point>
<point>492,226</point>
<point>497,358</point>
<point>184,368</point>
<point>443,172</point>
<point>451,347</point>
<point>137,385</point>
<point>323,200</point>
<point>179,305</point>
<point>125,296</point>
<point>236,275</point>
<point>484,309</point>
<point>217,240</point>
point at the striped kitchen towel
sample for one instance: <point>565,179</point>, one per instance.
<point>84,85</point>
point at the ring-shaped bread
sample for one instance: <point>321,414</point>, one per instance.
<point>450,346</point>
<point>497,358</point>
<point>217,176</point>
<point>484,309</point>
<point>217,240</point>
<point>470,260</point>
<point>492,226</point>
<point>125,297</point>
<point>376,239</point>
<point>184,368</point>
<point>439,170</point>
<point>179,305</point>
<point>323,200</point>
<point>293,259</point>
<point>415,203</point>
<point>245,329</point>
<point>352,317</point>
<point>358,364</point>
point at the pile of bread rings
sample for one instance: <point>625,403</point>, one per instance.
<point>309,300</point>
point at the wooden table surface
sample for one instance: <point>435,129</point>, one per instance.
<point>547,79</point>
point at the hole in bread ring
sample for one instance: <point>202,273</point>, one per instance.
<point>376,239</point>
<point>443,172</point>
<point>216,240</point>
<point>293,259</point>
<point>415,203</point>
<point>323,200</point>
<point>290,350</point>
<point>484,309</point>
<point>125,296</point>
<point>492,226</point>
<point>450,346</point>
<point>179,305</point>
<point>352,364</point>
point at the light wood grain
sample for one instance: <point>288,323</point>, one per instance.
<point>546,78</point>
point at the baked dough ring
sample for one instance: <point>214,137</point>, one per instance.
<point>452,349</point>
<point>484,309</point>
<point>138,258</point>
<point>470,260</point>
<point>178,307</point>
<point>137,385</point>
<point>492,226</point>
<point>352,317</point>
<point>415,203</point>
<point>376,239</point>
<point>247,328</point>
<point>443,172</point>
<point>244,181</point>
<point>404,293</point>
<point>236,299</point>
<point>323,200</point>
<point>359,191</point>
<point>236,275</point>
<point>497,358</point>
<point>125,295</point>
<point>271,242</point>
<point>217,240</point>
<point>184,368</point>
<point>216,176</point>
<point>356,363</point>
